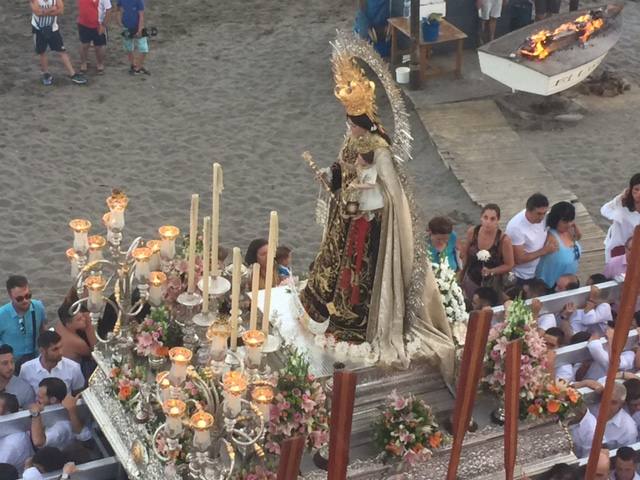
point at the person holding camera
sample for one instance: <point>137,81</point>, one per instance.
<point>134,34</point>
<point>46,34</point>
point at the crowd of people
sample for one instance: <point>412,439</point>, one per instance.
<point>94,17</point>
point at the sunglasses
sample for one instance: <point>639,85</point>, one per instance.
<point>23,328</point>
<point>576,251</point>
<point>22,298</point>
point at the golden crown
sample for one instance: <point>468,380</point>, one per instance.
<point>356,92</point>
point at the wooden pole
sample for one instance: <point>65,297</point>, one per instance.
<point>473,363</point>
<point>290,457</point>
<point>342,400</point>
<point>630,290</point>
<point>414,25</point>
<point>511,406</point>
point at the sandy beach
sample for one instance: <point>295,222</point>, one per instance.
<point>247,84</point>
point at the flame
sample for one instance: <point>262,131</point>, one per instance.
<point>535,46</point>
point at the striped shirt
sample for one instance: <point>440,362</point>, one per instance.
<point>45,21</point>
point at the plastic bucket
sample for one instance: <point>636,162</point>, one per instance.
<point>430,31</point>
<point>403,74</point>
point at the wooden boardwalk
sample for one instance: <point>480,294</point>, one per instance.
<point>477,143</point>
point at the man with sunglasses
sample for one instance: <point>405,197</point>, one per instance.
<point>21,320</point>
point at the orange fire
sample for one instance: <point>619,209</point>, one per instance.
<point>536,46</point>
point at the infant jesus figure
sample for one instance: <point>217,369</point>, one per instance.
<point>365,225</point>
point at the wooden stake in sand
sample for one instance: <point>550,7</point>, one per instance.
<point>473,360</point>
<point>630,290</point>
<point>511,406</point>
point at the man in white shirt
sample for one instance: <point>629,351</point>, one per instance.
<point>9,382</point>
<point>15,448</point>
<point>625,465</point>
<point>62,433</point>
<point>51,363</point>
<point>47,460</point>
<point>582,428</point>
<point>621,430</point>
<point>529,237</point>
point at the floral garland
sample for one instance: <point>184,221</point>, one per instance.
<point>452,298</point>
<point>407,429</point>
<point>300,407</point>
<point>156,334</point>
<point>362,351</point>
<point>540,394</point>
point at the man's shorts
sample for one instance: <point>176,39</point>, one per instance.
<point>88,35</point>
<point>544,7</point>
<point>140,44</point>
<point>41,41</point>
<point>490,9</point>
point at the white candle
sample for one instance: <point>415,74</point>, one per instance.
<point>193,234</point>
<point>205,263</point>
<point>117,204</point>
<point>235,296</point>
<point>142,256</point>
<point>201,422</point>
<point>201,438</point>
<point>95,285</point>
<point>164,385</point>
<point>262,397</point>
<point>232,404</point>
<point>117,219</point>
<point>255,286</point>
<point>73,261</point>
<point>180,358</point>
<point>218,344</point>
<point>156,284</point>
<point>154,261</point>
<point>268,282</point>
<point>174,410</point>
<point>215,217</point>
<point>106,221</point>
<point>168,235</point>
<point>80,228</point>
<point>96,244</point>
<point>253,343</point>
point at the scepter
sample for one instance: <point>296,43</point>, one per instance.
<point>319,175</point>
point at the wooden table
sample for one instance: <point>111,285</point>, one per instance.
<point>448,33</point>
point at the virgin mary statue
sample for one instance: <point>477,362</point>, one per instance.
<point>368,278</point>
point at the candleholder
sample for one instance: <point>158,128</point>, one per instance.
<point>262,397</point>
<point>141,255</point>
<point>154,261</point>
<point>168,235</point>
<point>201,423</point>
<point>217,335</point>
<point>95,285</point>
<point>180,358</point>
<point>117,204</point>
<point>80,229</point>
<point>218,286</point>
<point>72,256</point>
<point>163,384</point>
<point>235,385</point>
<point>106,221</point>
<point>157,281</point>
<point>96,245</point>
<point>189,302</point>
<point>254,341</point>
<point>174,410</point>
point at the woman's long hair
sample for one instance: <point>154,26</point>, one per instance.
<point>627,201</point>
<point>363,121</point>
<point>251,256</point>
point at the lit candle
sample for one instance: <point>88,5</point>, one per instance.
<point>174,410</point>
<point>156,284</point>
<point>201,422</point>
<point>235,386</point>
<point>106,221</point>
<point>253,344</point>
<point>168,235</point>
<point>80,228</point>
<point>164,385</point>
<point>235,296</point>
<point>262,397</point>
<point>154,261</point>
<point>142,255</point>
<point>96,244</point>
<point>117,204</point>
<point>217,334</point>
<point>255,286</point>
<point>268,282</point>
<point>215,216</point>
<point>193,236</point>
<point>180,358</point>
<point>95,285</point>
<point>72,256</point>
<point>205,263</point>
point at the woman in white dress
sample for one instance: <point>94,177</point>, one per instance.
<point>624,212</point>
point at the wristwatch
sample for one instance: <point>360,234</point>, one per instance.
<point>65,476</point>
<point>34,413</point>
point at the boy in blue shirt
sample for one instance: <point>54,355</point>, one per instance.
<point>21,320</point>
<point>132,20</point>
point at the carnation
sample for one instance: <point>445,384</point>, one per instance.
<point>483,256</point>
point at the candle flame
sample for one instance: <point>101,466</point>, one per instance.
<point>80,225</point>
<point>169,232</point>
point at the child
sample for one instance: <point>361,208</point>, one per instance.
<point>283,259</point>
<point>132,20</point>
<point>370,195</point>
<point>442,242</point>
